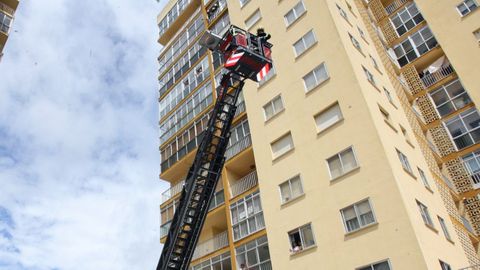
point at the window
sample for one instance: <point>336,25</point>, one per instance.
<point>424,178</point>
<point>477,35</point>
<point>357,216</point>
<point>414,46</point>
<point>301,238</point>
<point>385,265</point>
<point>407,18</point>
<point>243,2</point>
<point>355,42</point>
<point>425,214</point>
<point>404,161</point>
<point>294,13</point>
<point>315,77</point>
<point>282,145</point>
<point>374,62</point>
<point>444,228</point>
<point>304,43</point>
<point>273,107</point>
<point>445,266</point>
<point>253,19</point>
<point>168,211</point>
<point>472,163</point>
<point>342,163</point>
<point>239,132</point>
<point>291,189</point>
<point>342,12</point>
<point>220,262</point>
<point>172,15</point>
<point>221,25</point>
<point>247,216</point>
<point>328,117</point>
<point>466,7</point>
<point>465,128</point>
<point>254,255</point>
<point>5,22</point>
<point>450,97</point>
<point>369,75</point>
<point>360,31</point>
<point>388,95</point>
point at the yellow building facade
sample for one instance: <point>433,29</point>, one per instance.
<point>359,150</point>
<point>7,13</point>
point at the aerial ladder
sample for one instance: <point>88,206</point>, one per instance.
<point>246,56</point>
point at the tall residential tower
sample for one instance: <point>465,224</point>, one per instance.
<point>7,12</point>
<point>359,150</point>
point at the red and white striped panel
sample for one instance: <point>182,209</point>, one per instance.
<point>263,72</point>
<point>233,59</point>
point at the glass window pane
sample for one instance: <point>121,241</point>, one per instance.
<point>307,236</point>
<point>296,185</point>
<point>335,166</point>
<point>348,160</point>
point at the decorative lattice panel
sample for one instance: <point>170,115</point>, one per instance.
<point>459,175</point>
<point>412,79</point>
<point>388,31</point>
<point>442,141</point>
<point>472,207</point>
<point>427,109</point>
<point>377,9</point>
<point>467,245</point>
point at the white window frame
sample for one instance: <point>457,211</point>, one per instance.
<point>404,161</point>
<point>355,42</point>
<point>450,99</point>
<point>342,13</point>
<point>424,178</point>
<point>461,117</point>
<point>253,19</point>
<point>257,217</point>
<point>414,46</point>
<point>357,216</point>
<point>303,42</point>
<point>427,219</point>
<point>326,110</point>
<point>289,183</point>
<point>388,95</point>
<point>277,155</point>
<point>255,244</point>
<point>243,2</point>
<point>446,233</point>
<point>369,75</point>
<point>295,13</point>
<point>313,73</point>
<point>341,162</point>
<point>406,10</point>
<point>302,241</point>
<point>469,9</point>
<point>372,265</point>
<point>274,109</point>
<point>475,157</point>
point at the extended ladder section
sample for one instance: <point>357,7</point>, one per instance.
<point>201,180</point>
<point>246,56</point>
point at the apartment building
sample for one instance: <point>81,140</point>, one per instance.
<point>7,13</point>
<point>359,150</point>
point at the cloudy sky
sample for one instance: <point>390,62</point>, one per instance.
<point>79,159</point>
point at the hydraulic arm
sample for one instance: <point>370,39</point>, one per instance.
<point>246,56</point>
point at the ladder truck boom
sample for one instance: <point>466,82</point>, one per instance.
<point>246,56</point>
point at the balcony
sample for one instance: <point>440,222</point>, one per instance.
<point>164,229</point>
<point>395,5</point>
<point>218,242</point>
<point>6,9</point>
<point>441,73</point>
<point>238,147</point>
<point>215,9</point>
<point>243,184</point>
<point>217,200</point>
<point>475,177</point>
<point>171,192</point>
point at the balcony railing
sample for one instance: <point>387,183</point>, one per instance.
<point>394,6</point>
<point>171,192</point>
<point>245,183</point>
<point>238,147</point>
<point>164,229</point>
<point>475,177</point>
<point>217,242</point>
<point>6,9</point>
<point>217,200</point>
<point>430,79</point>
<point>467,225</point>
<point>240,108</point>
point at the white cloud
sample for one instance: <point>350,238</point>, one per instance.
<point>79,157</point>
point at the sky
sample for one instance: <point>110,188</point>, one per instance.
<point>79,159</point>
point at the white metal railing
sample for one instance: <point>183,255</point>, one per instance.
<point>164,229</point>
<point>240,109</point>
<point>430,79</point>
<point>266,265</point>
<point>243,184</point>
<point>172,191</point>
<point>394,6</point>
<point>238,147</point>
<point>475,177</point>
<point>211,245</point>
